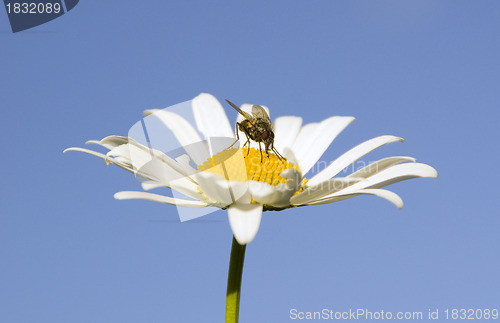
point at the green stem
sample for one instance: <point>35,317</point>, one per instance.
<point>234,282</point>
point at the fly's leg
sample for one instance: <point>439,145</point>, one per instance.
<point>238,125</point>
<point>260,149</point>
<point>237,134</point>
<point>278,154</point>
<point>247,142</point>
<point>248,139</point>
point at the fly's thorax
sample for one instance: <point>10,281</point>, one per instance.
<point>262,124</point>
<point>244,125</point>
<point>260,130</point>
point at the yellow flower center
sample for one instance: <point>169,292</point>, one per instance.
<point>246,164</point>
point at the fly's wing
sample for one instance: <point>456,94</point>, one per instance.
<point>260,112</point>
<point>243,113</point>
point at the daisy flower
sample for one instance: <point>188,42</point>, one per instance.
<point>209,171</point>
<point>243,182</point>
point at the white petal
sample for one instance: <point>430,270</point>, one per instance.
<point>302,139</point>
<point>98,142</point>
<point>263,193</point>
<point>161,171</point>
<point>388,195</point>
<point>245,221</point>
<point>129,151</point>
<point>111,142</point>
<point>126,195</point>
<point>350,157</point>
<point>187,187</point>
<point>120,163</point>
<point>396,174</point>
<point>88,151</point>
<point>285,130</point>
<point>279,195</point>
<point>133,157</point>
<point>95,142</point>
<point>122,154</point>
<point>380,165</point>
<point>214,188</point>
<point>139,155</point>
<point>166,176</point>
<point>184,132</point>
<point>224,191</point>
<point>324,188</point>
<point>183,160</point>
<point>312,142</point>
<point>289,155</point>
<point>211,119</point>
<point>150,185</point>
<point>145,162</point>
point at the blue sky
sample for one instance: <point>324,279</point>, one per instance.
<point>427,71</point>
